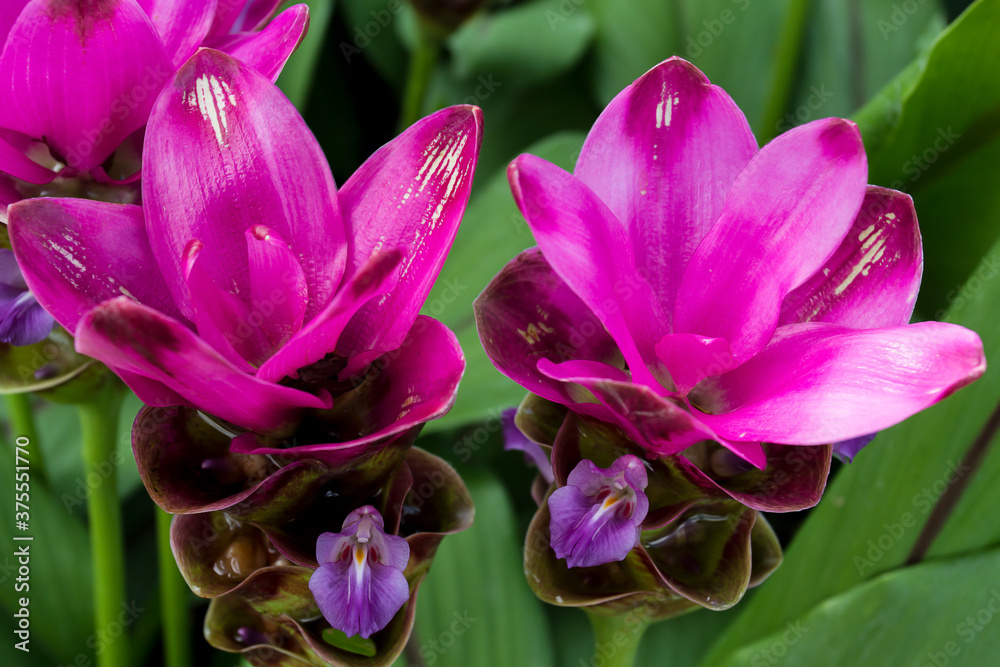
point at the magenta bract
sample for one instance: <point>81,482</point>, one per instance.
<point>87,72</point>
<point>689,287</point>
<point>247,285</point>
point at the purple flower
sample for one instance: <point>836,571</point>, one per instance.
<point>245,264</point>
<point>85,73</point>
<point>514,440</point>
<point>696,288</point>
<point>359,585</point>
<point>22,320</point>
<point>597,515</point>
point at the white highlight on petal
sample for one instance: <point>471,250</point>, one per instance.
<point>665,109</point>
<point>212,96</point>
<point>873,249</point>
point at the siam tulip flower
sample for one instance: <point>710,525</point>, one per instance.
<point>247,285</point>
<point>690,288</point>
<point>247,529</point>
<point>597,515</point>
<point>22,320</point>
<point>86,72</point>
<point>686,543</point>
<point>359,585</point>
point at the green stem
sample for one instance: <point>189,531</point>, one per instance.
<point>786,59</point>
<point>173,599</point>
<point>99,424</point>
<point>22,424</point>
<point>617,638</point>
<point>418,78</point>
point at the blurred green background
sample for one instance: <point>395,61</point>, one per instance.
<point>921,78</point>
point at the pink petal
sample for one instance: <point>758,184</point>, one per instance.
<point>820,383</point>
<point>661,425</point>
<point>589,249</point>
<point>129,336</point>
<point>278,291</point>
<point>411,192</point>
<point>222,319</point>
<point>787,212</point>
<point>242,15</point>
<point>267,50</point>
<point>528,313</point>
<point>84,73</point>
<point>151,392</point>
<point>9,11</point>
<point>663,156</point>
<point>319,337</point>
<point>77,253</point>
<point>182,24</point>
<point>225,150</point>
<point>15,162</point>
<point>406,387</point>
<point>690,358</point>
<point>873,277</point>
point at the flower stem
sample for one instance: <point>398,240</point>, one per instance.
<point>617,638</point>
<point>173,599</point>
<point>786,59</point>
<point>99,423</point>
<point>418,78</point>
<point>22,424</point>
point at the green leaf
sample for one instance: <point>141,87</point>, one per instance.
<point>934,614</point>
<point>356,644</point>
<point>749,48</point>
<point>59,587</point>
<point>297,78</point>
<point>46,365</point>
<point>872,514</point>
<point>475,607</point>
<point>632,36</point>
<point>933,133</point>
<point>373,33</point>
<point>853,49</point>
<point>492,232</point>
<point>521,46</point>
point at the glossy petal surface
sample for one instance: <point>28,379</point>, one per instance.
<point>225,151</point>
<point>410,194</point>
<point>839,383</point>
<point>78,253</point>
<point>786,213</point>
<point>663,156</point>
<point>118,64</point>
<point>127,335</point>
<point>872,279</point>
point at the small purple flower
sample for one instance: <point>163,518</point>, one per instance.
<point>22,320</point>
<point>848,449</point>
<point>359,585</point>
<point>514,440</point>
<point>596,516</point>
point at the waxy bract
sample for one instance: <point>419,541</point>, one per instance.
<point>245,265</point>
<point>85,73</point>
<point>696,289</point>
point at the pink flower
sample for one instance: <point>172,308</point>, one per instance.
<point>247,285</point>
<point>85,73</point>
<point>688,286</point>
